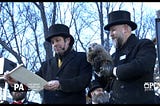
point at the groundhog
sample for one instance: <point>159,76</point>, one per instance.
<point>98,57</point>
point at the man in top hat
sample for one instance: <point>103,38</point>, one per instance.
<point>68,73</point>
<point>134,61</point>
<point>97,94</point>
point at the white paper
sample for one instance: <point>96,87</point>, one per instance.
<point>1,65</point>
<point>30,79</point>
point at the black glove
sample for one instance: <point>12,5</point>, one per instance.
<point>96,65</point>
<point>106,70</point>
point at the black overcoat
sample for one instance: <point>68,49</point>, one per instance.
<point>74,76</point>
<point>135,63</point>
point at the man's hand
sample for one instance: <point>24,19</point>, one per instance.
<point>106,70</point>
<point>52,85</point>
<point>9,79</point>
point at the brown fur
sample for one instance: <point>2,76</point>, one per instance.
<point>98,56</point>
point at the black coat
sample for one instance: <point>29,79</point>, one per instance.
<point>135,63</point>
<point>74,76</point>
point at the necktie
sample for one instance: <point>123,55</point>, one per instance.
<point>59,62</point>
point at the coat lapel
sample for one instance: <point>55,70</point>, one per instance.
<point>122,54</point>
<point>65,61</point>
<point>54,67</point>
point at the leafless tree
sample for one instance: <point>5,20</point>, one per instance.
<point>47,45</point>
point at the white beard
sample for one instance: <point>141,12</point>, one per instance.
<point>114,41</point>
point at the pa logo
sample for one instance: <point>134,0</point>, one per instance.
<point>19,87</point>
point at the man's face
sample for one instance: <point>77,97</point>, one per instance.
<point>97,91</point>
<point>117,35</point>
<point>60,44</point>
<point>18,95</point>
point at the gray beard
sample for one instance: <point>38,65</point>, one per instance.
<point>117,43</point>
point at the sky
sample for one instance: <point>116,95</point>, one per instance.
<point>154,5</point>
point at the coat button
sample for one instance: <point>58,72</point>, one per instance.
<point>56,94</point>
<point>122,86</point>
<point>57,77</point>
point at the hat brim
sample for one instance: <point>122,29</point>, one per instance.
<point>130,23</point>
<point>89,92</point>
<point>63,35</point>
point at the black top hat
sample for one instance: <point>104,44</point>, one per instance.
<point>93,85</point>
<point>59,30</point>
<point>120,17</point>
